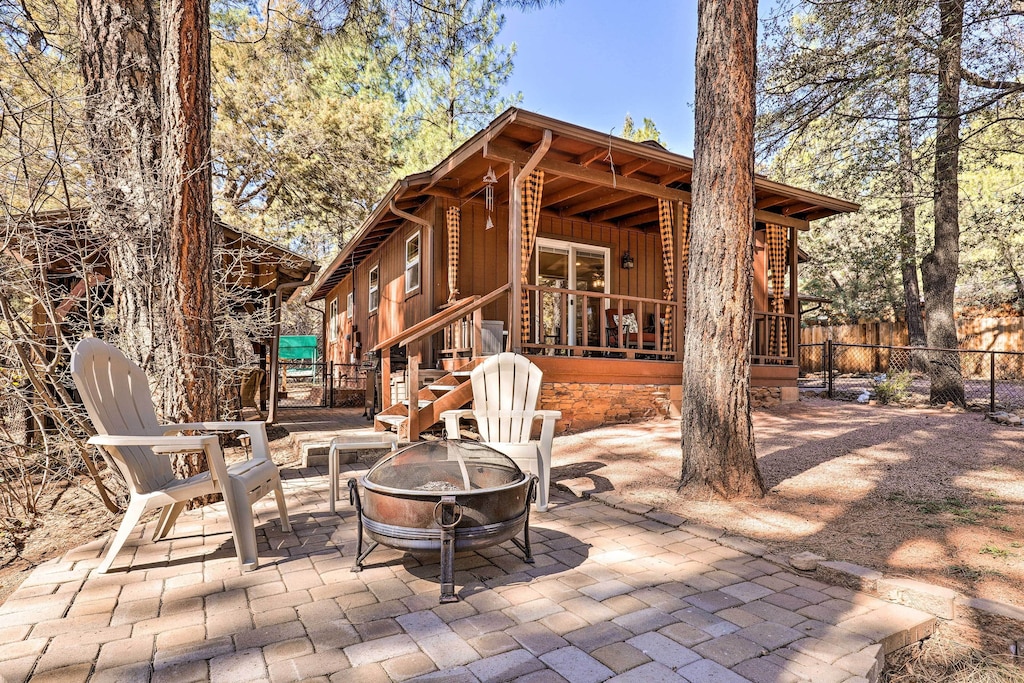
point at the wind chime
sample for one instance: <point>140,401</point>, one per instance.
<point>490,180</point>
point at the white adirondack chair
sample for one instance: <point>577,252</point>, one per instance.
<point>116,395</point>
<point>505,392</point>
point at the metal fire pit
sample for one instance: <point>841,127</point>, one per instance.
<point>444,496</point>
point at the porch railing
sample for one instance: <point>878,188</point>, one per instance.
<point>767,349</point>
<point>573,322</point>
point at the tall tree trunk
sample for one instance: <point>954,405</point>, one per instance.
<point>120,69</point>
<point>939,267</point>
<point>717,433</point>
<point>187,203</point>
<point>908,219</point>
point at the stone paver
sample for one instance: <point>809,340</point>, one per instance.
<point>614,595</point>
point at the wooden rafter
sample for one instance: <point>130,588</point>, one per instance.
<point>799,207</point>
<point>623,209</point>
<point>639,219</point>
<point>587,175</point>
<point>602,200</point>
<point>770,201</point>
<point>634,166</point>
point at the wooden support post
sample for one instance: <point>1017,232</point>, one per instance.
<point>794,297</point>
<point>385,379</point>
<point>515,259</point>
<point>412,393</point>
<point>478,333</point>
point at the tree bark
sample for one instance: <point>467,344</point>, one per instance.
<point>908,218</point>
<point>187,204</point>
<point>940,267</point>
<point>120,69</point>
<point>717,433</point>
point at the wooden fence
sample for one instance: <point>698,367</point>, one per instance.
<point>975,334</point>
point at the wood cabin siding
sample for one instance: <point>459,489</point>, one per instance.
<point>338,351</point>
<point>397,310</point>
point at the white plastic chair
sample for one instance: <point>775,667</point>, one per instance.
<point>506,388</point>
<point>116,395</point>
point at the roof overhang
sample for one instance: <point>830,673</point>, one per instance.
<point>589,176</point>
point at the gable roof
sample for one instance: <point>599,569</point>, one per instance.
<point>590,175</point>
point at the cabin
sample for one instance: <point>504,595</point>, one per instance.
<point>564,244</point>
<point>72,260</point>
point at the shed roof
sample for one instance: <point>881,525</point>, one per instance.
<point>589,175</point>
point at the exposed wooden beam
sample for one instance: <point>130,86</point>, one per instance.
<point>634,166</point>
<point>779,219</point>
<point>824,213</point>
<point>590,157</point>
<point>639,219</point>
<point>586,175</point>
<point>799,207</point>
<point>574,190</point>
<point>438,191</point>
<point>770,201</point>
<point>623,209</point>
<point>603,199</point>
<point>674,176</point>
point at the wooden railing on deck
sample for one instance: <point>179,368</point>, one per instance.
<point>761,351</point>
<point>608,339</point>
<point>470,306</point>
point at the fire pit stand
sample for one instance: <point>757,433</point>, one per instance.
<point>445,496</point>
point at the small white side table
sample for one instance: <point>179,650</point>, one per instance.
<point>355,442</point>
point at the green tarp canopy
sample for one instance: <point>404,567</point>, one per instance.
<point>298,347</point>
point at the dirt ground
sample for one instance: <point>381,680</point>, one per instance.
<point>931,494</point>
<point>923,493</point>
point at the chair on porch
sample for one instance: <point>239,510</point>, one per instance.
<point>632,336</point>
<point>506,388</point>
<point>116,395</point>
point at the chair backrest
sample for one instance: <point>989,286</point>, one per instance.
<point>629,322</point>
<point>116,395</point>
<point>506,388</point>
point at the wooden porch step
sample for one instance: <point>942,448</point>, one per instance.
<point>442,387</point>
<point>422,403</point>
<point>393,420</point>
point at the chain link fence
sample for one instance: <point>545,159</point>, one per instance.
<point>980,380</point>
<point>304,384</point>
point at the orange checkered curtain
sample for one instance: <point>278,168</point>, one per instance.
<point>778,337</point>
<point>668,262</point>
<point>533,186</point>
<point>454,218</point>
<point>684,256</point>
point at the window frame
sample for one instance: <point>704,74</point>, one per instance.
<point>333,331</point>
<point>373,291</point>
<point>417,263</point>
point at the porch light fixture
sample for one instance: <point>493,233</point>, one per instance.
<point>627,261</point>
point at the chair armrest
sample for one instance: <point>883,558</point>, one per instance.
<point>165,444</point>
<point>168,445</point>
<point>256,430</point>
<point>451,421</point>
<point>547,415</point>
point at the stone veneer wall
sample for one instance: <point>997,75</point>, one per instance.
<point>585,405</point>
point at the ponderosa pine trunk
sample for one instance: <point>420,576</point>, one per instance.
<point>940,266</point>
<point>908,218</point>
<point>120,66</point>
<point>717,433</point>
<point>187,203</point>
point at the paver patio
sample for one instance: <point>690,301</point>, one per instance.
<point>613,596</point>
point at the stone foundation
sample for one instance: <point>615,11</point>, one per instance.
<point>765,397</point>
<point>585,406</point>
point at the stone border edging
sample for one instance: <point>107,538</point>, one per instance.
<point>996,618</point>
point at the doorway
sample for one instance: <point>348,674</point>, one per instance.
<point>576,268</point>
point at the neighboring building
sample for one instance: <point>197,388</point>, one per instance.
<point>597,237</point>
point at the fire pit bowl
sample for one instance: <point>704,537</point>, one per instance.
<point>443,496</point>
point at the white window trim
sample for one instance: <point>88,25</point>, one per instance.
<point>417,262</point>
<point>333,320</point>
<point>350,305</point>
<point>371,289</point>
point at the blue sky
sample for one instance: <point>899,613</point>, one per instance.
<point>590,62</point>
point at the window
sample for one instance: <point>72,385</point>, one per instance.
<point>374,288</point>
<point>412,263</point>
<point>350,305</point>
<point>333,320</point>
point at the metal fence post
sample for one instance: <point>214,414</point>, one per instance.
<point>828,367</point>
<point>330,385</point>
<point>992,382</point>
